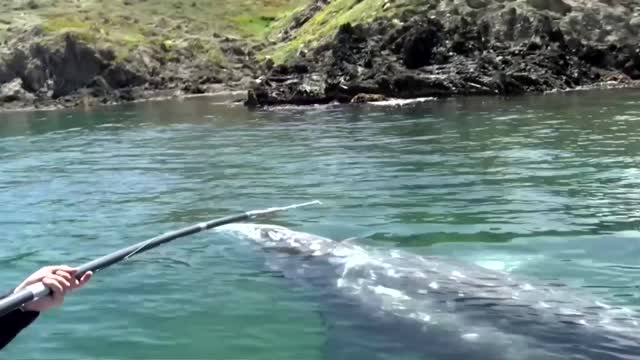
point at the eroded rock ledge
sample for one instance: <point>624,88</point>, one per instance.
<point>40,72</point>
<point>418,56</point>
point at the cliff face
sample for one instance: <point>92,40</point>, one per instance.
<point>457,47</point>
<point>66,53</point>
<point>67,71</point>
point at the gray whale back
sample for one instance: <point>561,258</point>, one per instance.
<point>446,309</point>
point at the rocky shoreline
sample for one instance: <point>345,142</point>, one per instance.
<point>436,52</point>
<point>426,57</point>
<point>40,73</point>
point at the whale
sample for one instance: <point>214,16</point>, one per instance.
<point>388,303</point>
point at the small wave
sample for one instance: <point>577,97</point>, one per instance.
<point>401,102</point>
<point>17,257</point>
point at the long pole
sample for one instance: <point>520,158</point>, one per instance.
<point>39,290</point>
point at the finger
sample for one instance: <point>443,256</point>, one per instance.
<point>55,287</point>
<point>63,273</point>
<point>77,284</point>
<point>86,277</point>
<point>71,279</point>
<point>67,275</point>
<point>61,281</point>
<point>64,268</point>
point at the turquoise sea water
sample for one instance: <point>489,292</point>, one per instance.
<point>543,186</point>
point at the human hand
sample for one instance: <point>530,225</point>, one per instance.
<point>60,279</point>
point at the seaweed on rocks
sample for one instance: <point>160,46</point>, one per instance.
<point>458,55</point>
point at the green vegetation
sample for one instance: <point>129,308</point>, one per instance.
<point>324,24</point>
<point>126,24</point>
<point>192,25</point>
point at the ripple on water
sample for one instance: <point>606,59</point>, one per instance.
<point>543,187</point>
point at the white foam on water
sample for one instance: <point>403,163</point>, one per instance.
<point>527,287</point>
<point>421,316</point>
<point>400,102</point>
<point>602,305</point>
<point>470,337</point>
<point>392,273</point>
<point>544,305</point>
<point>503,262</point>
<point>372,275</point>
<point>492,265</point>
<point>419,274</point>
<point>569,312</point>
<point>383,290</point>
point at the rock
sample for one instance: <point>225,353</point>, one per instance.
<point>477,4</point>
<point>5,73</point>
<point>419,44</point>
<point>302,90</point>
<point>74,66</point>
<point>32,4</point>
<point>300,68</point>
<point>13,91</point>
<point>617,78</point>
<point>348,45</point>
<point>433,48</point>
<point>35,76</point>
<point>365,98</point>
<point>252,99</point>
<point>269,64</point>
<point>107,54</point>
<point>99,87</point>
<point>557,6</point>
<point>128,94</point>
<point>16,64</point>
<point>235,50</point>
<point>414,86</point>
<point>119,75</point>
<point>524,51</point>
<point>596,56</point>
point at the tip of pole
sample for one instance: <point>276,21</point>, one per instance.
<point>314,202</point>
<point>255,213</point>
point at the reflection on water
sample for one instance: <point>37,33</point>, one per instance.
<point>546,186</point>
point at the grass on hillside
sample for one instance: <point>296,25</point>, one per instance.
<point>324,24</point>
<point>126,24</point>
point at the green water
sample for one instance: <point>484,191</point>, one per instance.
<point>543,186</point>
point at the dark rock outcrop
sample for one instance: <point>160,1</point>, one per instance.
<point>119,75</point>
<point>66,71</point>
<point>13,92</point>
<point>365,98</point>
<point>428,57</point>
<point>73,66</point>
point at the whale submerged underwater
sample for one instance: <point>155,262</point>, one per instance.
<point>439,309</point>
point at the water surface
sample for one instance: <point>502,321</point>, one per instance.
<point>540,186</point>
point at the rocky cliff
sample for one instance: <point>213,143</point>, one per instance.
<point>67,71</point>
<point>66,53</point>
<point>458,47</point>
<point>311,51</point>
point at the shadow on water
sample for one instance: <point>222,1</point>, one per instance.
<point>169,112</point>
<point>204,109</point>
